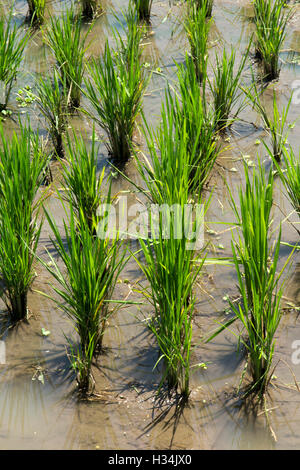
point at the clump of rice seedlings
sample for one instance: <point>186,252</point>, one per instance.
<point>89,8</point>
<point>115,89</point>
<point>68,45</point>
<point>84,286</point>
<point>170,258</point>
<point>225,89</point>
<point>171,269</point>
<point>258,280</point>
<point>36,11</point>
<point>197,29</point>
<point>81,183</point>
<point>188,106</point>
<point>270,18</point>
<point>11,51</point>
<point>290,176</point>
<point>144,9</point>
<point>21,175</point>
<point>51,100</point>
<point>207,4</point>
<point>274,122</point>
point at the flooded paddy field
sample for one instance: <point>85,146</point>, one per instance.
<point>39,406</point>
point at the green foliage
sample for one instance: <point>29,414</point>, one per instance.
<point>271,19</point>
<point>36,11</point>
<point>84,285</point>
<point>11,51</point>
<point>258,280</point>
<point>52,103</point>
<point>225,88</point>
<point>197,29</point>
<point>22,173</point>
<point>115,89</point>
<point>81,183</point>
<point>69,47</point>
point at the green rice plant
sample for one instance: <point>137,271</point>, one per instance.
<point>115,89</point>
<point>207,4</point>
<point>21,175</point>
<point>188,106</point>
<point>274,122</point>
<point>290,176</point>
<point>84,286</point>
<point>36,11</point>
<point>89,8</point>
<point>167,172</point>
<point>68,45</point>
<point>11,51</point>
<point>81,183</point>
<point>171,269</point>
<point>225,89</point>
<point>270,19</point>
<point>170,263</point>
<point>258,280</point>
<point>197,29</point>
<point>52,103</point>
<point>144,9</point>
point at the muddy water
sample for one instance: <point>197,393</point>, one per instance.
<point>38,406</point>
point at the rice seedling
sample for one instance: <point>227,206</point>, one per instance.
<point>52,103</point>
<point>22,172</point>
<point>188,106</point>
<point>270,18</point>
<point>11,51</point>
<point>207,4</point>
<point>170,263</point>
<point>115,89</point>
<point>225,89</point>
<point>274,122</point>
<point>36,11</point>
<point>258,280</point>
<point>81,183</point>
<point>290,176</point>
<point>171,270</point>
<point>89,8</point>
<point>197,29</point>
<point>84,286</point>
<point>144,9</point>
<point>68,45</point>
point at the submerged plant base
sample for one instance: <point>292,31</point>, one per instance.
<point>90,8</point>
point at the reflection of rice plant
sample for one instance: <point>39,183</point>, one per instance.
<point>197,29</point>
<point>81,183</point>
<point>115,89</point>
<point>51,102</point>
<point>256,266</point>
<point>188,106</point>
<point>36,11</point>
<point>275,122</point>
<point>69,46</point>
<point>11,52</point>
<point>22,172</point>
<point>270,18</point>
<point>85,284</point>
<point>226,90</point>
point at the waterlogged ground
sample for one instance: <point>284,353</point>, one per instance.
<point>38,406</point>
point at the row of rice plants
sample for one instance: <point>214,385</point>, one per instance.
<point>182,153</point>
